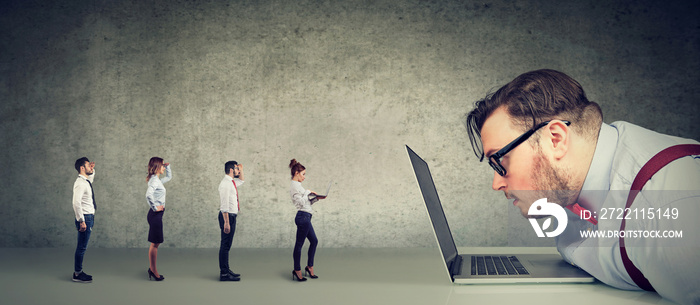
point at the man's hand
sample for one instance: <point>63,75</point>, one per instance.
<point>227,228</point>
<point>83,226</point>
<point>240,171</point>
<point>92,165</point>
<point>160,208</point>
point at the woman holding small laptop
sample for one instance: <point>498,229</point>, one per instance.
<point>300,199</point>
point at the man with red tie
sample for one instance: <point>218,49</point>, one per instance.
<point>84,208</point>
<point>545,139</point>
<point>228,193</point>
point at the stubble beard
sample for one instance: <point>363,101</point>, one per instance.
<point>552,183</point>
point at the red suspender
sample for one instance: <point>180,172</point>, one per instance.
<point>656,163</point>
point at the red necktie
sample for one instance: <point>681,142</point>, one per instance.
<point>237,203</point>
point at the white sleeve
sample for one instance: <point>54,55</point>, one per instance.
<point>224,195</point>
<point>78,190</point>
<point>168,175</point>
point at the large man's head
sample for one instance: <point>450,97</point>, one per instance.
<point>538,132</point>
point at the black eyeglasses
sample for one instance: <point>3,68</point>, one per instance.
<point>495,159</point>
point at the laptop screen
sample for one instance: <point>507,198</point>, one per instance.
<point>433,205</point>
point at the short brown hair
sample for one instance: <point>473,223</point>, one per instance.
<point>535,97</point>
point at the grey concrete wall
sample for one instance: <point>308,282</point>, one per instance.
<point>339,85</point>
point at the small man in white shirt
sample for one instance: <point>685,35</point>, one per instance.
<point>84,208</point>
<point>228,211</point>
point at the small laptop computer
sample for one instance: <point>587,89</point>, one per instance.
<point>488,269</point>
<point>317,196</point>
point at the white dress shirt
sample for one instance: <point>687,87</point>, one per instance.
<point>300,197</point>
<point>82,197</point>
<point>670,265</point>
<point>228,193</point>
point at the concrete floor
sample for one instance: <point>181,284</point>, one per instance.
<point>346,276</point>
<point>42,276</point>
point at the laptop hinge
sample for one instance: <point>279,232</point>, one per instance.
<point>456,265</point>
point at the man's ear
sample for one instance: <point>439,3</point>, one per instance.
<point>559,138</point>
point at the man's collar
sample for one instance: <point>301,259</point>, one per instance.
<point>597,182</point>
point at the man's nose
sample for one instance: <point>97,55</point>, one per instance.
<point>499,182</point>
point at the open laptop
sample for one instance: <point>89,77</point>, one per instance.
<point>313,197</point>
<point>488,269</point>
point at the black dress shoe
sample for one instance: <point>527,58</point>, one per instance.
<point>233,273</point>
<point>227,277</point>
<point>295,277</point>
<point>152,275</point>
<point>308,273</point>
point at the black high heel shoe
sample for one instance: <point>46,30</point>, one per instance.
<point>296,277</point>
<point>308,273</point>
<point>152,275</point>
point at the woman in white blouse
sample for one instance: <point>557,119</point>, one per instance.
<point>300,198</point>
<point>155,196</point>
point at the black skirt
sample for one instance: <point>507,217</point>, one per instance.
<point>155,226</point>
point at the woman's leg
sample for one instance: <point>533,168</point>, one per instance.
<point>313,242</point>
<point>153,257</point>
<point>303,225</point>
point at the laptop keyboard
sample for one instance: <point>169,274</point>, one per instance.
<point>497,265</point>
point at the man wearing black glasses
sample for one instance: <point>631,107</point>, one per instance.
<point>545,139</point>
